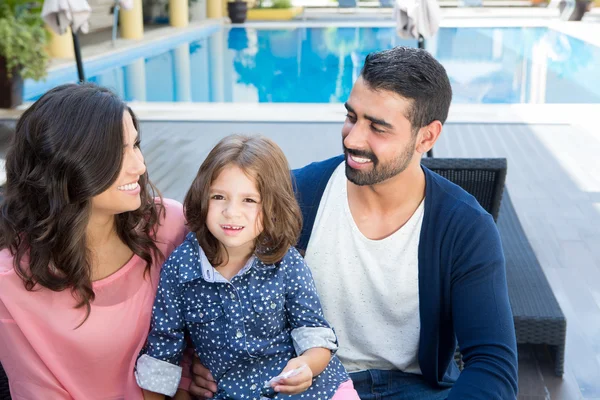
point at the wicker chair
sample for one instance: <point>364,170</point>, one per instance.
<point>482,177</point>
<point>537,315</point>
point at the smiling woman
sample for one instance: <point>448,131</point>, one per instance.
<point>82,238</point>
<point>124,194</point>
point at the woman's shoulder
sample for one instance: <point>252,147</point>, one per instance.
<point>173,208</point>
<point>172,225</point>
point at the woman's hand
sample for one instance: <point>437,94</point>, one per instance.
<point>203,384</point>
<point>297,383</point>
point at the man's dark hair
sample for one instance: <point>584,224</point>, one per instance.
<point>414,75</point>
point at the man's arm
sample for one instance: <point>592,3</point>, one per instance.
<point>482,317</point>
<point>203,384</point>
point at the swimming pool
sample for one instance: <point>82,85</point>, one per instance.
<point>320,64</point>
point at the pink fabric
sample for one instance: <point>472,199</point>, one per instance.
<point>346,392</point>
<point>43,354</point>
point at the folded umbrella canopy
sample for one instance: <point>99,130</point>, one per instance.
<point>60,14</point>
<point>417,19</point>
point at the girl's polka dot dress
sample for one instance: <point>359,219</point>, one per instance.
<point>244,330</point>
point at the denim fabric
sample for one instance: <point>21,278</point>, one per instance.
<point>375,384</point>
<point>242,329</point>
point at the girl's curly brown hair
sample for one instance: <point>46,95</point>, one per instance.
<point>265,162</point>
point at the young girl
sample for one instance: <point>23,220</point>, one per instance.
<point>240,290</point>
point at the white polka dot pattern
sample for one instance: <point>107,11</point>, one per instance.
<point>157,376</point>
<point>241,329</point>
<point>305,338</point>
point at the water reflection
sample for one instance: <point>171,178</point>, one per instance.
<point>520,65</point>
<point>319,65</point>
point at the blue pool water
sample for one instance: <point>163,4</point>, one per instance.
<point>319,65</point>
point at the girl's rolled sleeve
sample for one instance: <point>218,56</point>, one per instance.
<point>157,376</point>
<point>305,338</point>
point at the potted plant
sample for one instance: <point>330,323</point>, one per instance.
<point>238,11</point>
<point>274,10</point>
<point>22,49</point>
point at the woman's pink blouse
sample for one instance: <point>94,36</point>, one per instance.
<point>46,356</point>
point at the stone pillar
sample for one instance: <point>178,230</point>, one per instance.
<point>179,13</point>
<point>214,8</point>
<point>132,21</point>
<point>61,46</point>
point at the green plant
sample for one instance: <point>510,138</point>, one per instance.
<point>281,4</point>
<point>274,4</point>
<point>24,39</point>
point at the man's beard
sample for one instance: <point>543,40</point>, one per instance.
<point>379,172</point>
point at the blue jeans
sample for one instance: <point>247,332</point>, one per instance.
<point>376,384</point>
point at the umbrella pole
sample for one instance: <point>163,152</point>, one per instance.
<point>77,49</point>
<point>117,6</point>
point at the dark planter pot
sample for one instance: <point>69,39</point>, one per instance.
<point>238,11</point>
<point>11,90</point>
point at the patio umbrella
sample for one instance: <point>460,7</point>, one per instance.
<point>417,19</point>
<point>60,14</point>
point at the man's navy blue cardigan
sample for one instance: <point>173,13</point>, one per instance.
<point>462,287</point>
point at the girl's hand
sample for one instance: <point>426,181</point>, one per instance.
<point>297,383</point>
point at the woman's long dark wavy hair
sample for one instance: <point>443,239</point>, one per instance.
<point>68,148</point>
